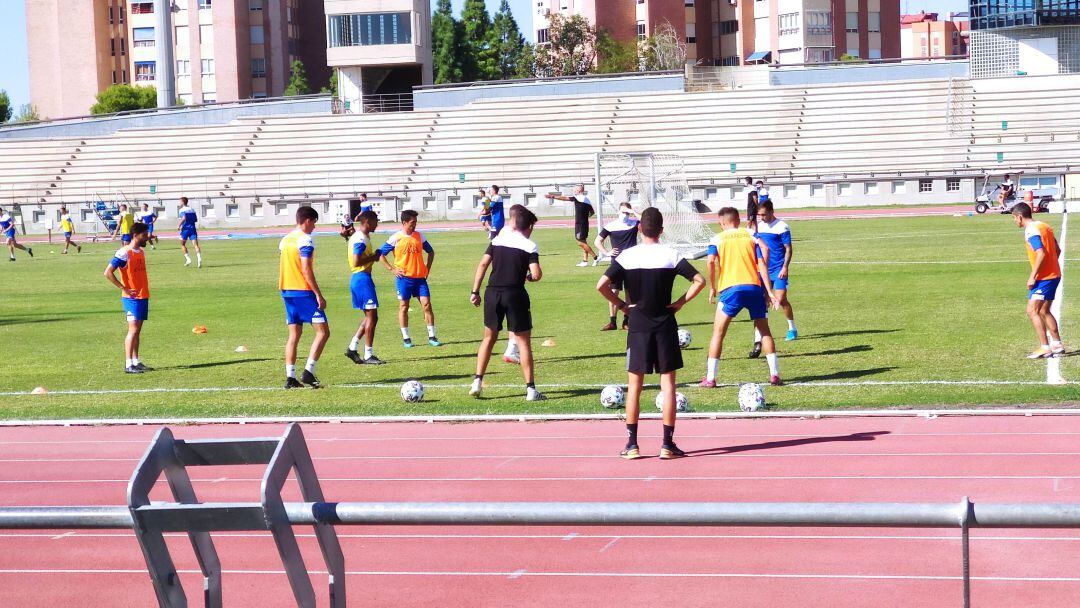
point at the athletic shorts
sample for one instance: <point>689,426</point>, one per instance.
<point>150,229</point>
<point>653,352</point>
<point>778,283</point>
<point>408,288</point>
<point>734,299</point>
<point>189,234</point>
<point>363,293</point>
<point>494,232</point>
<point>125,238</point>
<point>1044,290</point>
<point>67,235</point>
<point>136,310</point>
<point>9,233</point>
<point>303,309</point>
<point>510,304</point>
<point>581,228</point>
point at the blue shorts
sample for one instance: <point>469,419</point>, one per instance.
<point>778,283</point>
<point>136,310</point>
<point>412,288</point>
<point>363,291</point>
<point>303,309</point>
<point>750,297</point>
<point>1044,290</point>
<point>150,229</point>
<point>189,234</point>
<point>125,238</point>
<point>67,235</point>
<point>9,233</point>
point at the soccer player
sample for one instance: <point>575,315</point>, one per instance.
<point>124,221</point>
<point>365,205</point>
<point>1043,251</point>
<point>134,288</point>
<point>776,234</point>
<point>7,225</point>
<point>622,231</point>
<point>188,231</point>
<point>514,259</point>
<point>304,302</point>
<point>762,191</point>
<point>68,226</point>
<point>652,344</point>
<point>744,283</point>
<point>361,258</point>
<point>583,210</point>
<point>411,272</point>
<point>485,211</point>
<point>498,217</point>
<point>148,216</point>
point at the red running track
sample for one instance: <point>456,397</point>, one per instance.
<point>903,459</point>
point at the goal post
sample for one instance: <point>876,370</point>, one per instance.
<point>645,179</point>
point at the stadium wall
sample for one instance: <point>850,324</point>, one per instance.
<point>454,95</point>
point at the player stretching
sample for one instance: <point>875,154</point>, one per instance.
<point>148,216</point>
<point>652,344</point>
<point>742,274</point>
<point>514,259</point>
<point>408,247</point>
<point>622,232</point>
<point>124,221</point>
<point>7,225</point>
<point>1042,250</point>
<point>583,210</point>
<point>134,288</point>
<point>304,302</point>
<point>188,232</point>
<point>776,234</point>
<point>361,258</point>
<point>68,226</point>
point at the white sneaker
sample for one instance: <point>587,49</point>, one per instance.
<point>187,263</point>
<point>582,264</point>
<point>512,358</point>
<point>531,394</point>
<point>1059,349</point>
<point>199,265</point>
<point>476,388</point>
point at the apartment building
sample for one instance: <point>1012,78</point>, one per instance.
<point>225,50</point>
<point>923,35</point>
<point>625,20</point>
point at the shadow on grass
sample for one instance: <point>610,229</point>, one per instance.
<point>852,332</point>
<point>33,318</point>
<point>216,363</point>
<point>434,378</point>
<point>787,443</point>
<point>858,348</point>
<point>583,357</point>
<point>843,375</point>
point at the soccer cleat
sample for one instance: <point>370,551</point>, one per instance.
<point>512,359</point>
<point>309,379</point>
<point>1044,352</point>
<point>131,369</point>
<point>531,394</point>
<point>142,368</point>
<point>671,452</point>
<point>791,335</point>
<point>706,383</point>
<point>291,382</point>
<point>608,327</point>
<point>30,251</point>
<point>625,324</point>
<point>11,259</point>
<point>354,356</point>
<point>433,341</point>
<point>187,263</point>
<point>631,452</point>
<point>776,381</point>
<point>756,351</point>
<point>476,388</point>
<point>582,264</point>
<point>1058,350</point>
<point>78,248</point>
<point>199,264</point>
<point>63,253</point>
<point>373,360</point>
<point>407,342</point>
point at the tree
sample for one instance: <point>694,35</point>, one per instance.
<point>526,67</point>
<point>615,56</point>
<point>124,98</point>
<point>445,44</point>
<point>846,58</point>
<point>664,50</point>
<point>571,48</point>
<point>507,42</point>
<point>5,107</point>
<point>333,88</point>
<point>478,59</point>
<point>27,113</point>
<point>298,81</point>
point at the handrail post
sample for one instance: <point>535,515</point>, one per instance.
<point>965,547</point>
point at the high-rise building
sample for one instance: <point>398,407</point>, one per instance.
<point>994,14</point>
<point>625,20</point>
<point>224,51</point>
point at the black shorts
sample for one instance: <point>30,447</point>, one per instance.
<point>653,352</point>
<point>510,304</point>
<point>581,228</point>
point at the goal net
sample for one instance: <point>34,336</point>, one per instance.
<point>652,180</point>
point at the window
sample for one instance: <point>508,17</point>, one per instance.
<point>183,67</point>
<point>430,204</point>
<point>711,194</point>
<point>206,34</point>
<point>530,199</point>
<point>852,24</point>
<point>123,46</point>
<point>790,190</point>
<point>288,14</point>
<point>255,5</point>
<point>257,34</point>
<point>183,36</point>
<point>87,215</point>
<point>205,4</point>
<point>873,22</point>
<point>207,67</point>
<point>691,33</point>
<point>256,210</point>
<point>123,78</point>
<point>259,95</point>
<point>185,98</point>
<point>281,209</point>
<point>120,12</point>
<point>208,210</point>
<point>112,47</point>
<point>789,23</point>
<point>374,28</point>
<point>819,55</point>
<point>453,202</point>
<point>952,184</point>
<point>145,71</point>
<point>853,52</point>
<point>258,68</point>
<point>142,36</point>
<point>232,210</point>
<point>844,189</point>
<point>210,97</point>
<point>641,30</point>
<point>816,190</point>
<point>38,217</point>
<point>875,53</point>
<point>872,188</point>
<point>819,23</point>
<point>110,15</point>
<point>688,3</point>
<point>899,187</point>
<point>729,27</point>
<point>142,8</point>
<point>114,76</point>
<point>730,60</point>
<point>926,185</point>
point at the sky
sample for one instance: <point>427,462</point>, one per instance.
<point>14,69</point>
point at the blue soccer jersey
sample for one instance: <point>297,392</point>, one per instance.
<point>498,219</point>
<point>775,236</point>
<point>188,217</point>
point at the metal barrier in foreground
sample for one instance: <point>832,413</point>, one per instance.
<point>288,453</point>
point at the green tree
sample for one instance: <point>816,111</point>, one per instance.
<point>664,50</point>
<point>124,98</point>
<point>508,43</point>
<point>445,44</point>
<point>846,58</point>
<point>526,66</point>
<point>5,107</point>
<point>571,48</point>
<point>333,88</point>
<point>478,58</point>
<point>298,81</point>
<point>27,113</point>
<point>615,56</point>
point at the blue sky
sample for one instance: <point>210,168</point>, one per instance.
<point>14,77</point>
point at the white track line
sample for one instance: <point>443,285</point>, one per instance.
<point>1053,364</point>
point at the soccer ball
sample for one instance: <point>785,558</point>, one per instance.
<point>751,397</point>
<point>681,404</point>
<point>684,338</point>
<point>612,396</point>
<point>412,391</point>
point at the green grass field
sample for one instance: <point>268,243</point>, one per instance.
<point>877,301</point>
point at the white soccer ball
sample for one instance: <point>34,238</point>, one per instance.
<point>751,397</point>
<point>681,404</point>
<point>684,338</point>
<point>412,391</point>
<point>612,396</point>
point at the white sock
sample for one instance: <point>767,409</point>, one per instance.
<point>791,324</point>
<point>290,371</point>
<point>354,344</point>
<point>128,363</point>
<point>757,336</point>
<point>135,361</point>
<point>405,333</point>
<point>431,331</point>
<point>774,365</point>
<point>187,258</point>
<point>369,352</point>
<point>198,256</point>
<point>310,365</point>
<point>1055,343</point>
<point>711,367</point>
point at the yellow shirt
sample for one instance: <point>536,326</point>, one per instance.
<point>359,245</point>
<point>293,248</point>
<point>66,225</point>
<point>738,254</point>
<point>127,220</point>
